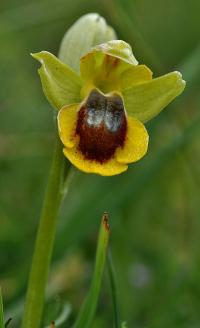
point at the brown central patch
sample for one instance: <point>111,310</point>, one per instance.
<point>101,126</point>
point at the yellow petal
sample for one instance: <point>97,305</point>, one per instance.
<point>136,143</point>
<point>135,75</point>
<point>67,118</point>
<point>106,169</point>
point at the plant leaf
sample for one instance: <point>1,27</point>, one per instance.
<point>88,309</point>
<point>61,85</point>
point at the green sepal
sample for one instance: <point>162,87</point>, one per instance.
<point>61,85</point>
<point>146,100</point>
<point>88,31</point>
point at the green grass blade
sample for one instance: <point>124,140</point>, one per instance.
<point>1,310</point>
<point>62,316</point>
<point>113,286</point>
<point>88,309</point>
<point>7,323</point>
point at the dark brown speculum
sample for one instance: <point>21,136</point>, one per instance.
<point>101,126</point>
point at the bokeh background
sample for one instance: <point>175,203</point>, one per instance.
<point>154,207</point>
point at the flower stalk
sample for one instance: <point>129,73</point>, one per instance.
<point>44,242</point>
<point>93,30</point>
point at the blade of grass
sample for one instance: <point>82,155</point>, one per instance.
<point>1,310</point>
<point>88,309</point>
<point>7,323</point>
<point>113,285</point>
<point>63,316</point>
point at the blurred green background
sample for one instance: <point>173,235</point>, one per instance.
<point>154,207</point>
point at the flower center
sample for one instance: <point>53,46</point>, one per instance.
<point>101,126</point>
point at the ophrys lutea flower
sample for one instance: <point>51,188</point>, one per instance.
<point>102,109</point>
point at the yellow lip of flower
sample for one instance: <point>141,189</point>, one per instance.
<point>108,69</point>
<point>105,141</point>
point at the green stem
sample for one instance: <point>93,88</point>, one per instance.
<point>44,242</point>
